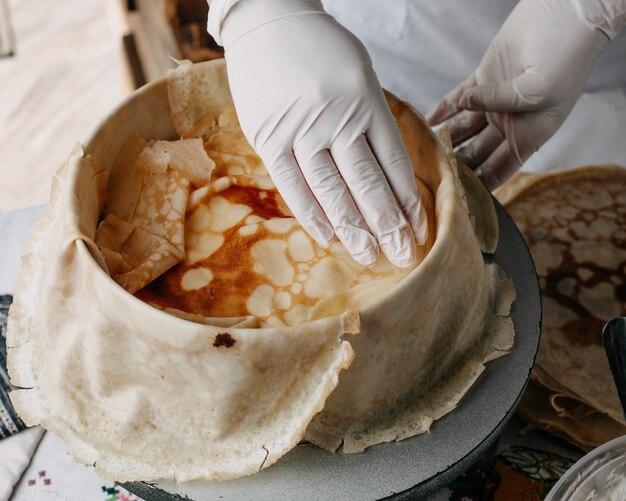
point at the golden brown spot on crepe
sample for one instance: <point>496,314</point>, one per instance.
<point>226,295</point>
<point>265,207</point>
<point>233,277</point>
<point>224,339</point>
<point>258,200</point>
<point>236,267</point>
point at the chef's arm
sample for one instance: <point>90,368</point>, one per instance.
<point>527,82</point>
<point>609,16</point>
<point>309,102</point>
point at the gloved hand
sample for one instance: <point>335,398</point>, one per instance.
<point>527,82</point>
<point>310,104</point>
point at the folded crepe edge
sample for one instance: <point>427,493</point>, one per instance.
<point>585,431</point>
<point>24,347</point>
<point>521,180</point>
<point>475,197</point>
<point>447,392</point>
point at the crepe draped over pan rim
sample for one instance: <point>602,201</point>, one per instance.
<point>580,256</point>
<point>183,400</point>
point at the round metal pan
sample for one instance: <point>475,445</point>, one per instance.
<point>415,467</point>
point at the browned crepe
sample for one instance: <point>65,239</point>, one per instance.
<point>575,224</point>
<point>247,255</point>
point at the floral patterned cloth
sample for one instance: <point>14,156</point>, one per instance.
<point>523,465</point>
<point>10,423</point>
<point>518,473</point>
<point>53,475</point>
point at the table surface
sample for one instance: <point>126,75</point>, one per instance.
<point>68,71</point>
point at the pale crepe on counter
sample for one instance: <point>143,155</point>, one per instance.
<point>553,407</point>
<point>145,394</point>
<point>574,222</point>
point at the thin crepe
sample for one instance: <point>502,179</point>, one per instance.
<point>567,417</point>
<point>574,221</point>
<point>141,236</point>
<point>247,255</point>
<point>434,361</point>
<point>144,394</point>
<point>552,406</point>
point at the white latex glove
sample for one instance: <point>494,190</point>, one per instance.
<point>527,82</point>
<point>311,106</point>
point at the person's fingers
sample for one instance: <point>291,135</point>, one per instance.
<point>465,125</point>
<point>375,199</point>
<point>292,186</point>
<point>331,192</point>
<point>499,167</point>
<point>481,146</point>
<point>449,104</point>
<point>525,92</point>
<point>386,144</point>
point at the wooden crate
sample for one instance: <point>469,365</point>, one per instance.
<point>7,39</point>
<point>156,32</point>
<point>188,19</point>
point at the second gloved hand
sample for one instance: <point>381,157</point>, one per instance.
<point>310,104</point>
<point>526,84</point>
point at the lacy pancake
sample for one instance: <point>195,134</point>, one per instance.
<point>184,325</point>
<point>245,254</point>
<point>575,224</point>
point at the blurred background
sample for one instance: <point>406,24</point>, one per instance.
<point>65,64</point>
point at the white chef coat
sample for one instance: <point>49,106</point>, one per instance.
<point>423,48</point>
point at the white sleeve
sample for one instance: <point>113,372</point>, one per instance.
<point>609,16</point>
<point>217,12</point>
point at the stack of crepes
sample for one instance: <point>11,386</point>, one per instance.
<point>574,221</point>
<point>243,336</point>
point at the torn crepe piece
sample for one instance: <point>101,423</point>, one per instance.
<point>186,156</point>
<point>133,255</point>
<point>142,235</point>
<point>196,97</point>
